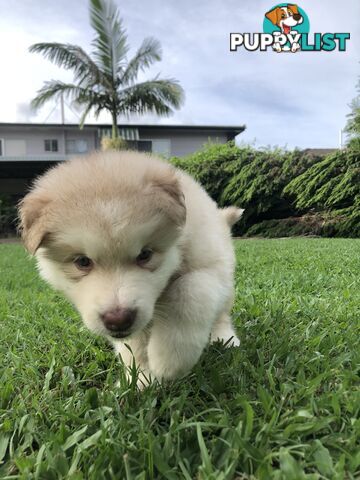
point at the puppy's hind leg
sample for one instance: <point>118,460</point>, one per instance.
<point>223,330</point>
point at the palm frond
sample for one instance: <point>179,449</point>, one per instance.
<point>72,57</point>
<point>54,89</point>
<point>157,96</point>
<point>148,53</point>
<point>110,44</point>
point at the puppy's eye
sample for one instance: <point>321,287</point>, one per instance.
<point>144,256</point>
<point>84,263</point>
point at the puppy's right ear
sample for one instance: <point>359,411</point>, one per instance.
<point>168,196</point>
<point>32,225</point>
<point>273,15</point>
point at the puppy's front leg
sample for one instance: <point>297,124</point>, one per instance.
<point>183,321</point>
<point>134,350</point>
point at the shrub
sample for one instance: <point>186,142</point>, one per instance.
<point>118,143</point>
<point>211,166</point>
<point>8,216</point>
<point>249,178</point>
<point>333,186</point>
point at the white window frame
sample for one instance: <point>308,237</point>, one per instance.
<point>2,153</point>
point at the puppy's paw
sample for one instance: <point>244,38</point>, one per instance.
<point>166,363</point>
<point>228,341</point>
<point>233,342</point>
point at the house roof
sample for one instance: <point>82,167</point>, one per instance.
<point>231,129</point>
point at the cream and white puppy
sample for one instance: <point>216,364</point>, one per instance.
<point>142,252</point>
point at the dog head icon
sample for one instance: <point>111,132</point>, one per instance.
<point>285,17</point>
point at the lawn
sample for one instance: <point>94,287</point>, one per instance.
<point>285,405</point>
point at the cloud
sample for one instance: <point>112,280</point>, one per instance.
<point>24,113</point>
<point>285,99</point>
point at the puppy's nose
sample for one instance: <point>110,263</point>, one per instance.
<point>297,16</point>
<point>119,319</point>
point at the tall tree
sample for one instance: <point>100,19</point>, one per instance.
<point>106,79</point>
<point>353,123</point>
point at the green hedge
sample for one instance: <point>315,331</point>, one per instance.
<point>8,216</point>
<point>332,185</point>
<point>282,192</point>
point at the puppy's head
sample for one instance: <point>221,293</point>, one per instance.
<point>105,231</point>
<point>285,17</point>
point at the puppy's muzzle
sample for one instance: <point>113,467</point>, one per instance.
<point>119,321</point>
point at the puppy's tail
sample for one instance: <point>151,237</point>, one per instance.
<point>231,215</point>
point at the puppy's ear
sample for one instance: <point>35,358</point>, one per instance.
<point>294,9</point>
<point>32,223</point>
<point>274,15</point>
<point>168,196</point>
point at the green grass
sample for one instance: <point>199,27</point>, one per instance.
<point>285,405</point>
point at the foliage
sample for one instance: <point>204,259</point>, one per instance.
<point>353,124</point>
<point>109,143</point>
<point>249,178</point>
<point>284,193</point>
<point>211,166</point>
<point>333,185</point>
<point>283,406</point>
<point>8,216</point>
<point>309,224</point>
<point>106,78</point>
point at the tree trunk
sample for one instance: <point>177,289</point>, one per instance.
<point>114,133</point>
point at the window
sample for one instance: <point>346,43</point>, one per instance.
<point>15,147</point>
<point>140,145</point>
<point>162,147</point>
<point>51,145</point>
<point>1,147</point>
<point>77,146</point>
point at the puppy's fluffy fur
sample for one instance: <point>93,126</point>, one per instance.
<point>110,206</point>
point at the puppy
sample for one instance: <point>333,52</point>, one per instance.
<point>285,18</point>
<point>142,252</point>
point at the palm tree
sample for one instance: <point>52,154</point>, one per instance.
<point>106,79</point>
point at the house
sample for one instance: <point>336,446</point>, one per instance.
<point>27,150</point>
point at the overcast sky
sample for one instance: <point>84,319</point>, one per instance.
<point>284,99</point>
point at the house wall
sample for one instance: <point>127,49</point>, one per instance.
<point>14,138</point>
<point>183,142</point>
<point>27,157</point>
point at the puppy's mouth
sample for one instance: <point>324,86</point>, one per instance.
<point>286,28</point>
<point>118,334</point>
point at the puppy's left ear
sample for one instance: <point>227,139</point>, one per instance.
<point>32,222</point>
<point>169,197</point>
